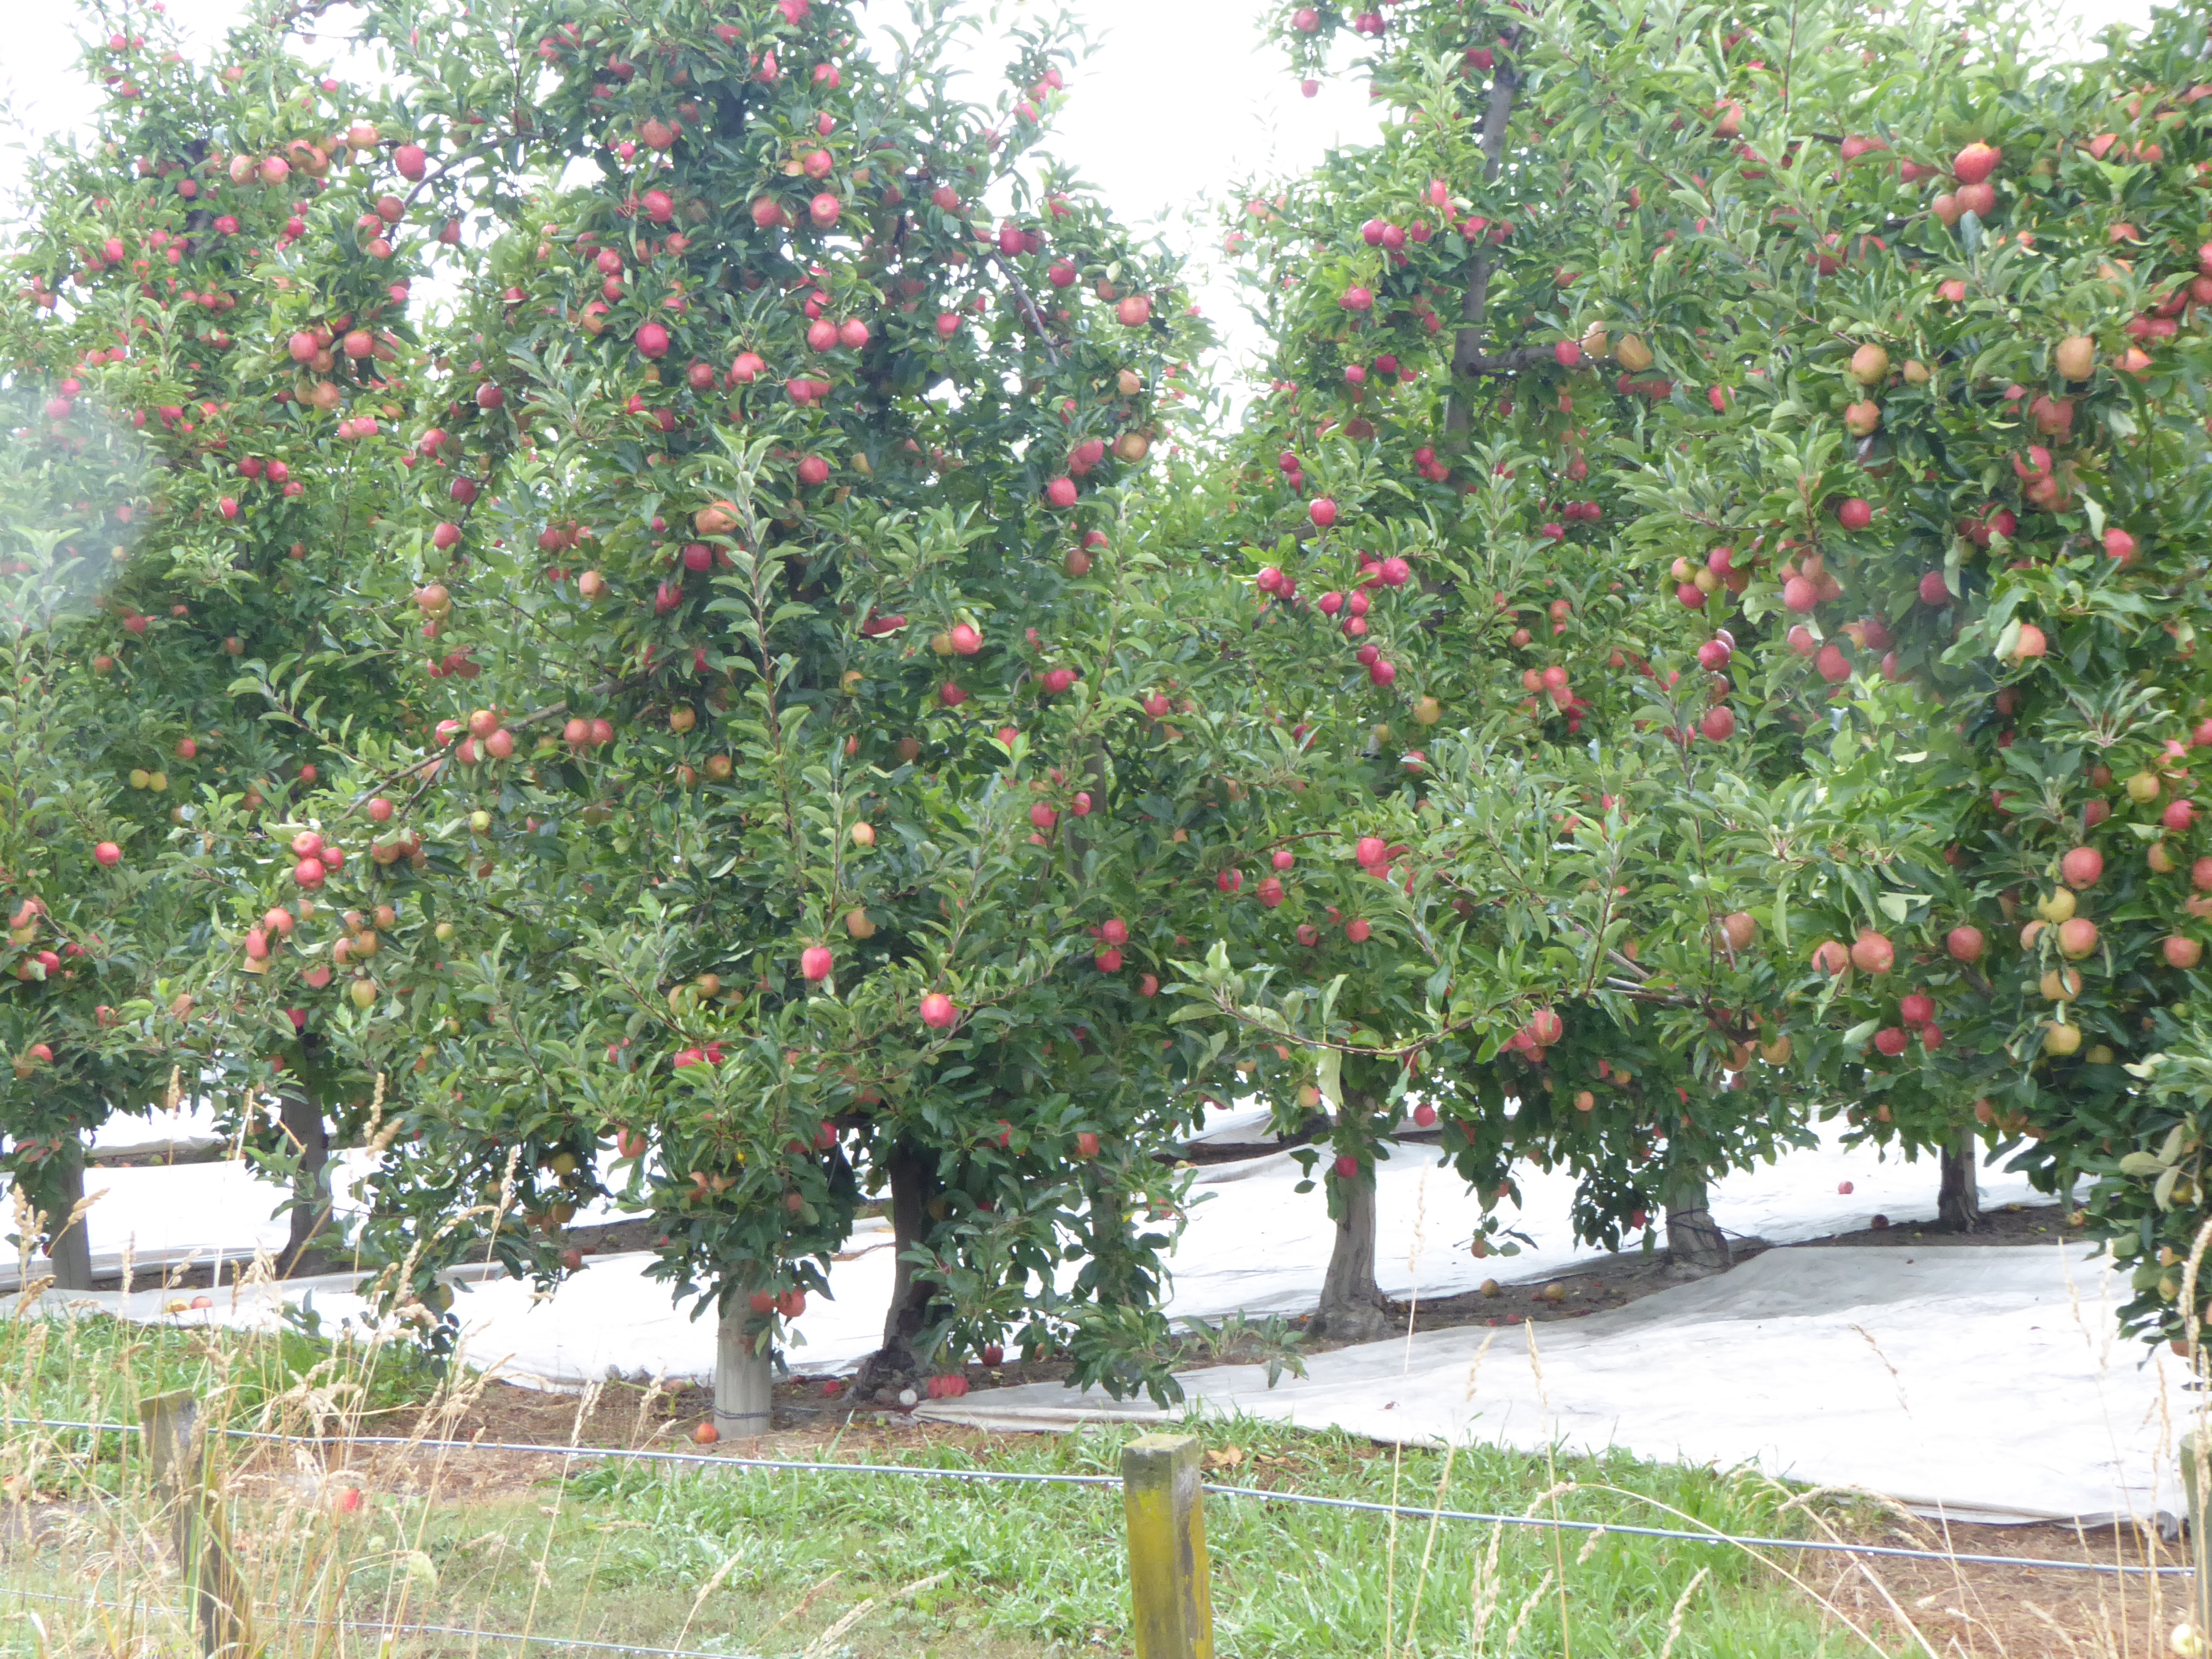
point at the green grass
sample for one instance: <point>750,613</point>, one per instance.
<point>627,1550</point>
<point>760,1563</point>
<point>1047,1563</point>
<point>88,1368</point>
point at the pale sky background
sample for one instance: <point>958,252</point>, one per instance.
<point>1179,100</point>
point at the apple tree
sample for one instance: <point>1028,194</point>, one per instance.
<point>810,769</point>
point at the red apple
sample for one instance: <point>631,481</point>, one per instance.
<point>937,1011</point>
<point>1872,953</point>
<point>814,962</point>
<point>1971,165</point>
<point>2081,866</point>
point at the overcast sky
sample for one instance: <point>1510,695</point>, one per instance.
<point>1179,99</point>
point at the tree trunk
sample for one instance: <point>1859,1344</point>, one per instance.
<point>913,1172</point>
<point>1351,1307</point>
<point>1959,1200</point>
<point>309,1136</point>
<point>69,1247</point>
<point>1467,356</point>
<point>1695,1247</point>
<point>744,1372</point>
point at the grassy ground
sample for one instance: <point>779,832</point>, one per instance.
<point>814,1565</point>
<point>97,1370</point>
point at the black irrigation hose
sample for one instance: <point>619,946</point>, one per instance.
<point>1888,1551</point>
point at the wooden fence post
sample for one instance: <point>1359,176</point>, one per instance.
<point>177,1452</point>
<point>2196,1452</point>
<point>1172,1600</point>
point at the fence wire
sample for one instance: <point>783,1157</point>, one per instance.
<point>1017,1477</point>
<point>381,1627</point>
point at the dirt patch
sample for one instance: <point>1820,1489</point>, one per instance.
<point>1972,1608</point>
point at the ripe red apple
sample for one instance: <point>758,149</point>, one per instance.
<point>2081,867</point>
<point>411,162</point>
<point>1086,1143</point>
<point>706,1434</point>
<point>1719,723</point>
<point>1891,1041</point>
<point>1357,930</point>
<point>1971,165</point>
<point>1346,1166</point>
<point>1831,956</point>
<point>1844,1187</point>
<point>937,1011</point>
<point>2077,937</point>
<point>1855,513</point>
<point>1322,511</point>
<point>2182,951</point>
<point>993,1354</point>
<point>1114,931</point>
<point>1917,1009</point>
<point>2178,815</point>
<point>1873,953</point>
<point>108,853</point>
<point>814,962</point>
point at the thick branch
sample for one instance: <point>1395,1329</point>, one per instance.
<point>1467,356</point>
<point>1516,361</point>
<point>1029,305</point>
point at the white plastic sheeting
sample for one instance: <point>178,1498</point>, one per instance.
<point>1987,1382</point>
<point>1253,1245</point>
<point>1982,1383</point>
<point>168,1216</point>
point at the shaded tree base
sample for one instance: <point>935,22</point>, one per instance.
<point>886,1368</point>
<point>1695,1247</point>
<point>1959,1200</point>
<point>1353,1319</point>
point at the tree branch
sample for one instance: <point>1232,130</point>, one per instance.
<point>1467,356</point>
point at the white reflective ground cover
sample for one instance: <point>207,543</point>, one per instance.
<point>1990,1381</point>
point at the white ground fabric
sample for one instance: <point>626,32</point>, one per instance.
<point>1987,1383</point>
<point>1990,1381</point>
<point>1253,1245</point>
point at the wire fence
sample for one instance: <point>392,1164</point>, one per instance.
<point>383,1627</point>
<point>1261,1494</point>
